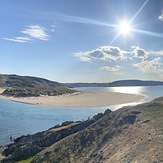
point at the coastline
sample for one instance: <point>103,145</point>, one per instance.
<point>80,99</point>
<point>1,150</point>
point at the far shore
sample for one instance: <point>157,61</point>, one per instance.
<point>79,99</point>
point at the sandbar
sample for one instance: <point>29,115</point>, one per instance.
<point>79,99</point>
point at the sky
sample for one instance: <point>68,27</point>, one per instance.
<point>82,40</point>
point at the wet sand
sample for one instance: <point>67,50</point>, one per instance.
<point>79,99</point>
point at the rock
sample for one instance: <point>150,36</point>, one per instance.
<point>26,146</point>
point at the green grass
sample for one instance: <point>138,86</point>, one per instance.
<point>26,160</point>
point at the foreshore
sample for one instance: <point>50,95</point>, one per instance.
<point>79,99</point>
<point>1,150</point>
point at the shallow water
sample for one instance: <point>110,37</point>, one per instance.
<point>18,119</point>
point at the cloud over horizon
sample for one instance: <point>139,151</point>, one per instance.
<point>115,70</point>
<point>149,66</point>
<point>145,61</point>
<point>104,53</point>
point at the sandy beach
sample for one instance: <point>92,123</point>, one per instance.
<point>1,90</point>
<point>79,99</point>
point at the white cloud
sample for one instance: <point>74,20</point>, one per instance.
<point>53,28</point>
<point>156,52</point>
<point>31,32</point>
<point>147,66</point>
<point>36,32</point>
<point>112,69</point>
<point>18,39</point>
<point>139,53</point>
<point>84,58</point>
<point>146,61</point>
<point>105,53</point>
<point>115,70</point>
<point>161,16</point>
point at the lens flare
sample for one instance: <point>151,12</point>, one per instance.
<point>125,28</point>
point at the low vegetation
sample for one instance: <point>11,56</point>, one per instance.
<point>28,160</point>
<point>25,86</point>
<point>132,134</point>
<point>28,92</point>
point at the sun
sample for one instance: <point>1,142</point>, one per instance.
<point>124,28</point>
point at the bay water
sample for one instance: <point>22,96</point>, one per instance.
<point>18,119</point>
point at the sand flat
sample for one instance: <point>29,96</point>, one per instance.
<point>80,99</point>
<point>1,90</point>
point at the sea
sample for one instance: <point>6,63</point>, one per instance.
<point>17,119</point>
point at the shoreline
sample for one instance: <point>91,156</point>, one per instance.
<point>1,150</point>
<point>82,99</point>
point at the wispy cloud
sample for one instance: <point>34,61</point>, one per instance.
<point>161,16</point>
<point>18,39</point>
<point>115,70</point>
<point>84,58</point>
<point>149,66</point>
<point>160,53</point>
<point>77,19</point>
<point>30,33</point>
<point>105,53</point>
<point>36,32</point>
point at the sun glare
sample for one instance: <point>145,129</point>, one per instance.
<point>125,28</point>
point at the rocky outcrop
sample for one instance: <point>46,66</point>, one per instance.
<point>29,145</point>
<point>130,134</point>
<point>85,145</point>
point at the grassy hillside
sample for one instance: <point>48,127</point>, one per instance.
<point>130,133</point>
<point>31,86</point>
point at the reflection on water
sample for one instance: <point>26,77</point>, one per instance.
<point>137,90</point>
<point>149,93</point>
<point>129,90</point>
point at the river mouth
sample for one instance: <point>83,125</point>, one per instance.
<point>21,119</point>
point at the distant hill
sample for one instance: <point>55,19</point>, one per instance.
<point>132,134</point>
<point>118,83</point>
<point>31,86</point>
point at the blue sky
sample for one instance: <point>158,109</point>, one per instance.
<point>82,40</point>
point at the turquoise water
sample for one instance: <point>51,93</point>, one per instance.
<point>18,119</point>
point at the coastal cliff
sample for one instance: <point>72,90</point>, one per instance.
<point>132,133</point>
<point>29,145</point>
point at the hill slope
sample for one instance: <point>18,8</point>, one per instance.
<point>15,81</point>
<point>130,133</point>
<point>117,83</point>
<point>31,86</point>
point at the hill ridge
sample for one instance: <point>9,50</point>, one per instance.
<point>117,83</point>
<point>24,86</point>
